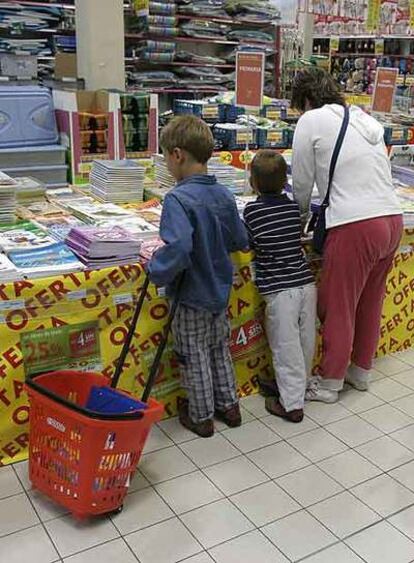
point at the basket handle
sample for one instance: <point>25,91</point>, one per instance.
<point>125,348</point>
<point>161,347</point>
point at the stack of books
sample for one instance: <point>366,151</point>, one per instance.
<point>117,181</point>
<point>102,247</point>
<point>30,191</point>
<point>8,199</point>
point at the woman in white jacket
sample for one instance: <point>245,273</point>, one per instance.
<point>364,224</point>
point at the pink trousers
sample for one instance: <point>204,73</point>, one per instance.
<point>357,260</point>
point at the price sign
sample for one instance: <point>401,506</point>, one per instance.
<point>384,90</point>
<point>66,347</point>
<point>250,79</point>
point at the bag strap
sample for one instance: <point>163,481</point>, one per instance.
<point>335,154</point>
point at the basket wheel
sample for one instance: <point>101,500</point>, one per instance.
<point>116,511</point>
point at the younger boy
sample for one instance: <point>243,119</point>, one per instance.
<point>284,280</point>
<point>200,226</point>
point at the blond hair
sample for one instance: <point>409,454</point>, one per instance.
<point>188,133</point>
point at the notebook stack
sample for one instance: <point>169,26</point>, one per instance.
<point>30,190</point>
<point>117,181</point>
<point>164,179</point>
<point>8,271</point>
<point>231,177</point>
<point>102,247</point>
<point>8,199</point>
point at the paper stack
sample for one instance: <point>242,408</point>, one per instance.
<point>117,181</point>
<point>148,247</point>
<point>102,247</point>
<point>8,201</point>
<point>30,191</point>
<point>163,177</point>
<point>231,177</point>
<point>8,271</point>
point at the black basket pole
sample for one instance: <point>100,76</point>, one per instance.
<point>161,347</point>
<point>130,335</point>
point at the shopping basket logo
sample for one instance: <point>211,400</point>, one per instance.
<point>56,424</point>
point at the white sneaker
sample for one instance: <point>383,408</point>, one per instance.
<point>314,391</point>
<point>358,378</point>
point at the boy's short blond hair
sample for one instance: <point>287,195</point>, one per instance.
<point>188,133</point>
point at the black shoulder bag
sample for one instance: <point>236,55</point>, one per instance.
<point>319,219</point>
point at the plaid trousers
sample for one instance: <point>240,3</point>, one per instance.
<point>201,341</point>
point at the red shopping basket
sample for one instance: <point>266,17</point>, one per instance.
<point>86,437</point>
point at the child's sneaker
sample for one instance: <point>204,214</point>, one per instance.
<point>274,407</point>
<point>203,429</point>
<point>231,417</point>
<point>314,391</point>
<point>358,377</point>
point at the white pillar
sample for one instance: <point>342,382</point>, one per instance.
<point>100,43</point>
<point>306,23</point>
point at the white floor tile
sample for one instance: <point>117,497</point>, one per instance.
<point>386,453</point>
<point>344,515</point>
<point>216,523</point>
<point>405,436</point>
<point>265,503</point>
<point>252,547</point>
<point>389,390</point>
<point>45,507</point>
<point>389,365</point>
<point>382,544</point>
<point>376,375</point>
<point>384,495</point>
<point>110,552</point>
<point>9,483</point>
<point>251,436</point>
<point>354,431</point>
<point>406,405</point>
<point>358,402</point>
<point>299,535</point>
<point>16,513</point>
<point>286,429</point>
<point>323,413</point>
<point>176,431</point>
<point>235,475</point>
<point>339,553</point>
<point>387,418</point>
<point>404,475</point>
<point>309,485</point>
<point>205,452</point>
<point>317,445</point>
<point>200,558</point>
<point>141,509</point>
<point>188,492</point>
<point>349,468</point>
<point>28,545</point>
<point>166,542</point>
<point>72,536</point>
<point>138,482</point>
<point>405,378</point>
<point>404,521</point>
<point>278,460</point>
<point>156,440</point>
<point>22,471</point>
<point>407,356</point>
<point>165,464</point>
<point>255,404</point>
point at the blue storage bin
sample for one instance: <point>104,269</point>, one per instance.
<point>27,117</point>
<point>396,134</point>
<point>32,156</point>
<point>209,112</point>
<point>273,138</point>
<point>234,140</point>
<point>51,176</point>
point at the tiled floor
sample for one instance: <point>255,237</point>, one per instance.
<point>337,488</point>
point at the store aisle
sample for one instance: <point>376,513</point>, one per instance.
<point>338,487</point>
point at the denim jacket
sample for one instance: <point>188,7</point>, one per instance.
<point>200,226</point>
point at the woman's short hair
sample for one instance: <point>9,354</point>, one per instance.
<point>317,87</point>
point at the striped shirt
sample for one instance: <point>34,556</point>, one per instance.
<point>274,227</point>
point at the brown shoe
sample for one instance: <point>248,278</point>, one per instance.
<point>203,429</point>
<point>274,407</point>
<point>231,417</point>
<point>268,388</point>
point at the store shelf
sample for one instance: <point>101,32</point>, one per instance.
<point>178,63</point>
<point>179,39</point>
<point>33,3</point>
<point>200,90</point>
<point>229,20</point>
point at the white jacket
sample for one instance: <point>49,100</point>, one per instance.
<point>362,185</point>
